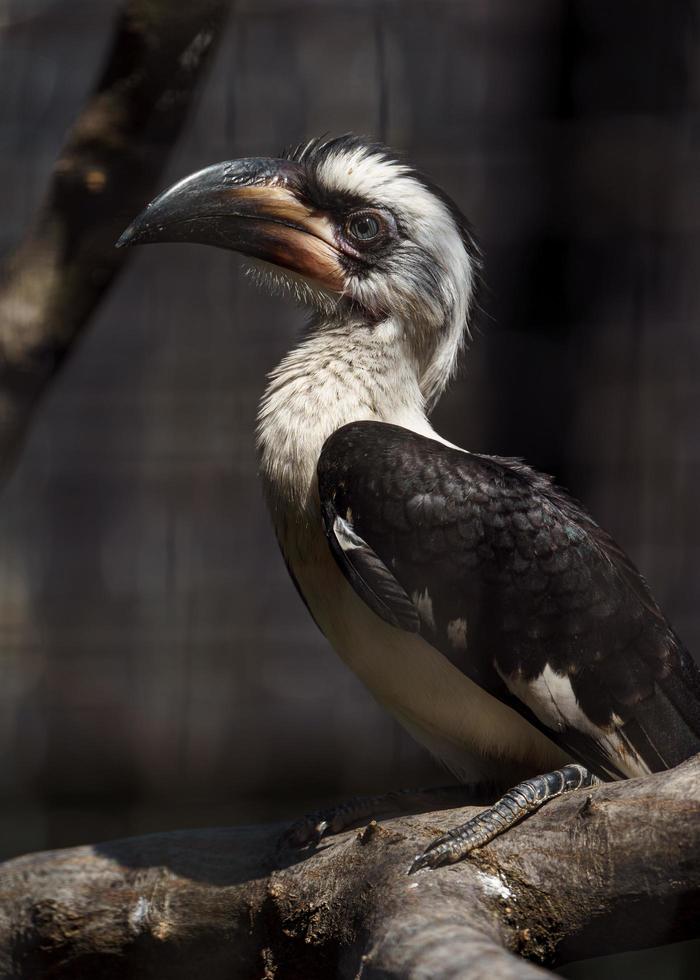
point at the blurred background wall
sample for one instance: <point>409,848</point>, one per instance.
<point>156,666</point>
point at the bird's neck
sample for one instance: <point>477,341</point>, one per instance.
<point>339,373</point>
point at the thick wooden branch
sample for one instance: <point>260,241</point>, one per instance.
<point>107,171</point>
<point>614,868</point>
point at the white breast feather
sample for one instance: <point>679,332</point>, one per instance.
<point>441,707</point>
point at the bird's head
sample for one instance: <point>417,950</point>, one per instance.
<point>351,228</point>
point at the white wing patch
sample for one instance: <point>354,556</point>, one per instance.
<point>457,633</point>
<point>345,536</point>
<point>424,605</point>
<point>551,698</point>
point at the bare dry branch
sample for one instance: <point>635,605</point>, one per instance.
<point>108,169</point>
<point>597,872</point>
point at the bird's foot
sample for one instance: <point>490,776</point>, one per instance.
<point>311,829</point>
<point>517,803</point>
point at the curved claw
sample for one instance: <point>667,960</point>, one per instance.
<point>307,832</point>
<point>419,861</point>
<point>443,850</point>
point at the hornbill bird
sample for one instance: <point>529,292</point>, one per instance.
<point>481,605</point>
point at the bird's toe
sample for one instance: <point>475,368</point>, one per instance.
<point>308,831</point>
<point>445,849</point>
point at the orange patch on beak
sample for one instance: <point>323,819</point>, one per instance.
<point>290,234</point>
<point>248,206</point>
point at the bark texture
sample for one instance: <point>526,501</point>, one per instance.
<point>107,171</point>
<point>606,870</point>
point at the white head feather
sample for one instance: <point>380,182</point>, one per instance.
<point>384,350</point>
<point>427,281</point>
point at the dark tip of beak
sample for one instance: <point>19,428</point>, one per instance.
<point>127,237</point>
<point>206,207</point>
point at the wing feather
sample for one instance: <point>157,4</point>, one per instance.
<point>369,576</point>
<point>513,581</point>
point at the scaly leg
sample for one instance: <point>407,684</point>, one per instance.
<point>517,803</point>
<point>312,828</point>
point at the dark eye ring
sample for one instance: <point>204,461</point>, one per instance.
<point>364,226</point>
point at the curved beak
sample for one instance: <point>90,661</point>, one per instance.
<point>251,206</point>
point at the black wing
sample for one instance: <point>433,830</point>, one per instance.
<point>517,585</point>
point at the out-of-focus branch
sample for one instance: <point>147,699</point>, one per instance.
<point>605,871</point>
<point>108,169</point>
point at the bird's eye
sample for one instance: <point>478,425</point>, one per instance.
<point>364,226</point>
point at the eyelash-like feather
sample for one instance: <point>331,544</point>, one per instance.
<point>288,285</point>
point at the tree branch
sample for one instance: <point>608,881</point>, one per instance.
<point>611,869</point>
<point>107,171</point>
